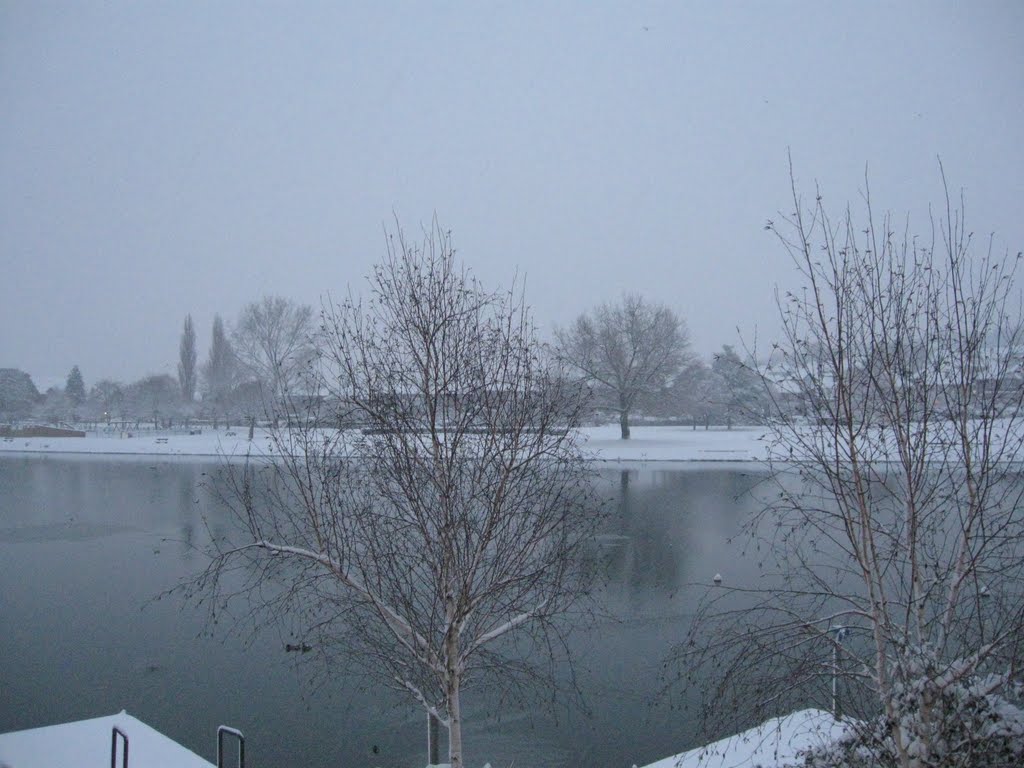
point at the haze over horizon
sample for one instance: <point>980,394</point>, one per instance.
<point>183,158</point>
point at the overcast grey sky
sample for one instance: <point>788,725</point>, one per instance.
<point>158,159</point>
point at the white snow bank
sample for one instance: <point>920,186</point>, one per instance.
<point>87,742</point>
<point>775,742</point>
<point>603,443</point>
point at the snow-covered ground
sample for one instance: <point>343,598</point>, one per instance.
<point>88,742</point>
<point>676,444</point>
<point>662,444</point>
<point>776,742</point>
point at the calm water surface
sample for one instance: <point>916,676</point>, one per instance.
<point>87,543</point>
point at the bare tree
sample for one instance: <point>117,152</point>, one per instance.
<point>695,395</point>
<point>155,397</point>
<point>893,540</point>
<point>454,522</point>
<point>106,399</point>
<point>187,361</point>
<point>272,343</point>
<point>54,406</point>
<point>741,394</point>
<point>626,351</point>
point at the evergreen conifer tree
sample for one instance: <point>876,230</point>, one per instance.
<point>74,388</point>
<point>219,369</point>
<point>187,361</point>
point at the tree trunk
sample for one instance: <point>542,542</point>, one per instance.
<point>454,710</point>
<point>624,499</point>
<point>624,423</point>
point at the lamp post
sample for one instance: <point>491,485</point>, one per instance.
<point>840,635</point>
<point>433,739</point>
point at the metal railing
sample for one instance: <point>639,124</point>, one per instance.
<point>115,732</point>
<point>220,745</point>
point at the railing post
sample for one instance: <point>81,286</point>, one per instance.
<point>115,732</point>
<point>220,745</point>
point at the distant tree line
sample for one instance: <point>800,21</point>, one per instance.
<point>634,356</point>
<point>248,370</point>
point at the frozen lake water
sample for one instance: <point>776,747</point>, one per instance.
<point>87,542</point>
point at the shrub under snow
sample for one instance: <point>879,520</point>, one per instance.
<point>944,719</point>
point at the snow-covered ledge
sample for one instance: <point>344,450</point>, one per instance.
<point>775,742</point>
<point>87,742</point>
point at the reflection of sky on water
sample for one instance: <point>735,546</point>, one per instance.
<point>86,543</point>
<point>674,528</point>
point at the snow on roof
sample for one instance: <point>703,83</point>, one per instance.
<point>87,742</point>
<point>775,742</point>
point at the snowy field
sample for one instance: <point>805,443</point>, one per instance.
<point>648,444</point>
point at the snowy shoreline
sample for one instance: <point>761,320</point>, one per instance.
<point>663,445</point>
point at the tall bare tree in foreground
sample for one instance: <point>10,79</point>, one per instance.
<point>626,350</point>
<point>439,547</point>
<point>893,540</point>
<point>271,341</point>
<point>187,356</point>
